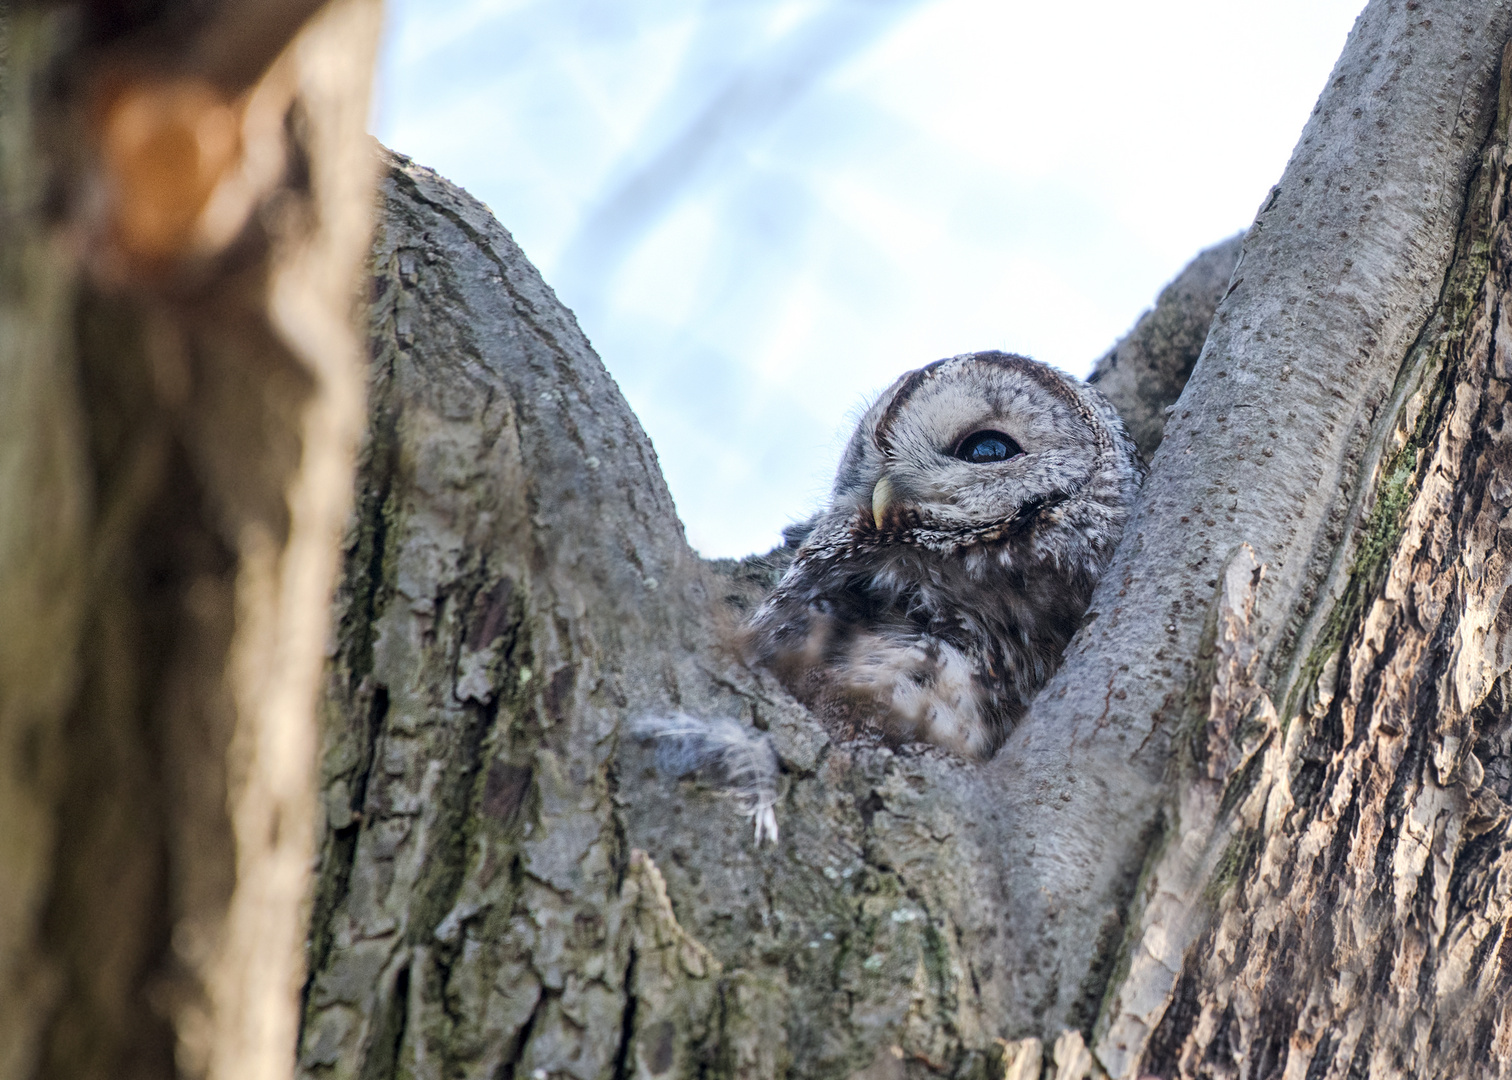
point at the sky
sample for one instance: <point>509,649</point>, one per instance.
<point>763,211</point>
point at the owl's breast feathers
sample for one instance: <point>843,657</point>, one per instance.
<point>886,620</point>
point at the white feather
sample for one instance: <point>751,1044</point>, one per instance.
<point>742,758</point>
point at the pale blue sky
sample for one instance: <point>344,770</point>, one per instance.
<point>762,211</point>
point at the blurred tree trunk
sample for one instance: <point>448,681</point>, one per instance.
<point>1255,827</point>
<point>184,206</point>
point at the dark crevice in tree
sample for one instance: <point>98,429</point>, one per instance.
<point>365,589</point>
<point>509,1061</point>
<point>334,877</point>
<point>461,801</point>
<point>1322,1058</point>
<point>364,584</point>
<point>622,1066</point>
<point>384,1057</point>
<point>1163,1055</point>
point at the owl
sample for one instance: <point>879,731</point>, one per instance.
<point>974,509</point>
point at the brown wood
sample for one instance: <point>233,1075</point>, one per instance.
<point>182,402</point>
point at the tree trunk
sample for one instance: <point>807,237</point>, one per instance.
<point>185,191</point>
<point>1252,828</point>
<point>1350,787</point>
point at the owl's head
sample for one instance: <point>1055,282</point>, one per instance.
<point>977,448</point>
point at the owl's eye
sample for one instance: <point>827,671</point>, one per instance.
<point>985,447</point>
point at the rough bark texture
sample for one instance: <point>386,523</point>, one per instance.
<point>1274,444</point>
<point>1146,371</point>
<point>497,880</point>
<point>183,211</point>
<point>1357,864</point>
<point>1157,874</point>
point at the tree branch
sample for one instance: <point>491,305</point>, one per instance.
<point>1146,371</point>
<point>1278,434</point>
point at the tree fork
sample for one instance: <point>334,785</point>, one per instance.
<point>498,849</point>
<point>1257,823</point>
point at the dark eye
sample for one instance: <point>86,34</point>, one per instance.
<point>984,447</point>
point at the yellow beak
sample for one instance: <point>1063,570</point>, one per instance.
<point>882,496</point>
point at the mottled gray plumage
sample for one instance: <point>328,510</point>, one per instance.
<point>935,594</point>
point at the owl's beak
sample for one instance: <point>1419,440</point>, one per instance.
<point>882,498</point>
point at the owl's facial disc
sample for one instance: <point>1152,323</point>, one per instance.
<point>962,465</point>
<point>963,447</point>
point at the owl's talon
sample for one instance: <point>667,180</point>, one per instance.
<point>765,819</point>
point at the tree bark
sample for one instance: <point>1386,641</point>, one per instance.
<point>1353,874</point>
<point>1197,856</point>
<point>1254,827</point>
<point>1146,371</point>
<point>1273,455</point>
<point>185,191</point>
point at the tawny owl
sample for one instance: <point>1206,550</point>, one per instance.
<point>973,512</point>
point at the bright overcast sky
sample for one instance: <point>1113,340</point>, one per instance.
<point>762,211</point>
